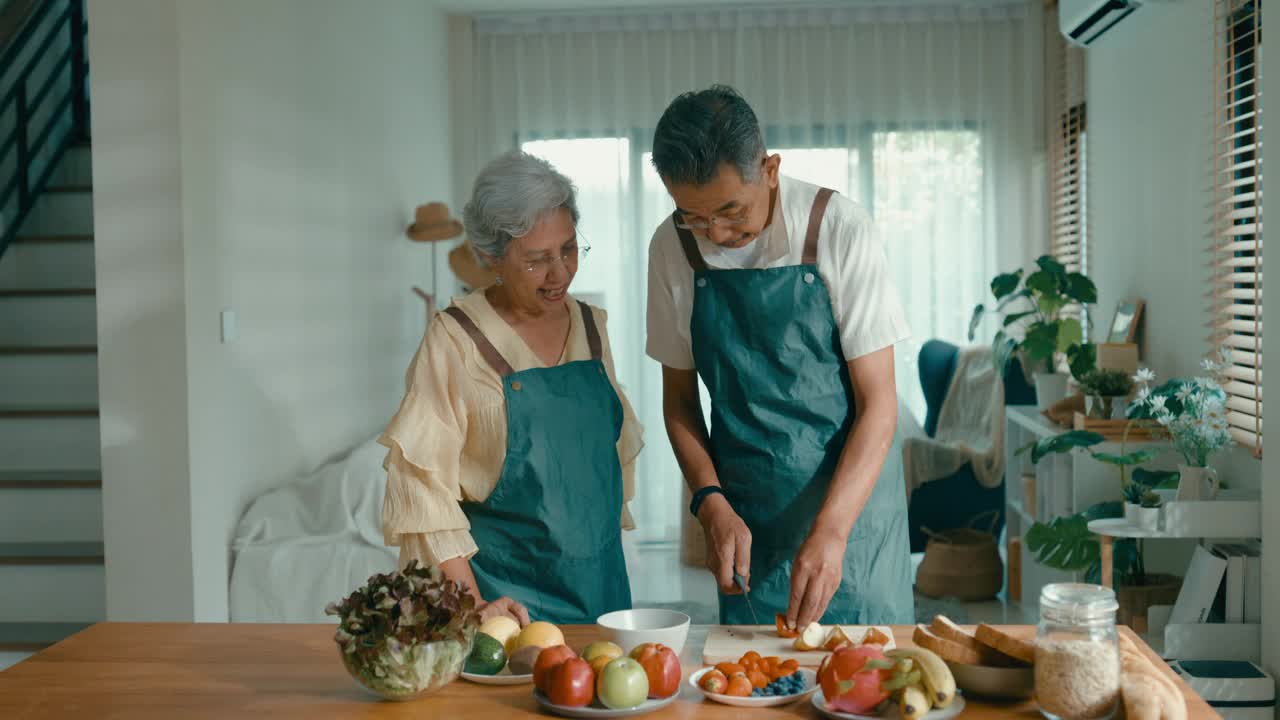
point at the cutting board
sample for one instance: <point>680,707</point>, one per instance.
<point>728,643</point>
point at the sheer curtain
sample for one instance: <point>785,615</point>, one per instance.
<point>927,115</point>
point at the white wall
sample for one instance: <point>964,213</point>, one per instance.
<point>141,281</point>
<point>304,134</point>
<point>1150,87</point>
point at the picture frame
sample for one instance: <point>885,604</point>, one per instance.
<point>1124,322</point>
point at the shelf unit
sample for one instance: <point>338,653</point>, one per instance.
<point>1231,518</point>
<point>1064,484</point>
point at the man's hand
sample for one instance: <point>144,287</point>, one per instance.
<point>504,606</point>
<point>815,577</point>
<point>728,543</point>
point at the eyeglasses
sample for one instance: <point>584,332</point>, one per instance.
<point>542,265</point>
<point>734,220</point>
<point>737,219</point>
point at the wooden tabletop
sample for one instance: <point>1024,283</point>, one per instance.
<point>142,671</point>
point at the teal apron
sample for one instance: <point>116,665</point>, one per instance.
<point>768,349</point>
<point>550,532</point>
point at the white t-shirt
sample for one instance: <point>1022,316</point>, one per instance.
<point>851,261</point>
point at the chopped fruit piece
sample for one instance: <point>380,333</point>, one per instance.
<point>783,630</point>
<point>836,638</point>
<point>875,637</point>
<point>730,669</point>
<point>758,679</point>
<point>739,686</point>
<point>812,638</point>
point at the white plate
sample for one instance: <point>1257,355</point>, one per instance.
<point>810,687</point>
<point>597,711</point>
<point>892,712</point>
<point>502,678</point>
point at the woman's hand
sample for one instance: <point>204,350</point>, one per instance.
<point>504,606</point>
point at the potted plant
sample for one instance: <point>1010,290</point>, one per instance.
<point>1065,543</point>
<point>406,633</point>
<point>1035,325</point>
<point>1142,506</point>
<point>1104,393</point>
<point>1193,414</point>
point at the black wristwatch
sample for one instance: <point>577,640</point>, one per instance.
<point>701,495</point>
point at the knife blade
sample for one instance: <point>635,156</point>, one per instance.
<point>742,585</point>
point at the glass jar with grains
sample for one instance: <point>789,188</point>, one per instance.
<point>1077,652</point>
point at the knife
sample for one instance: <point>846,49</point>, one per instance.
<point>742,585</point>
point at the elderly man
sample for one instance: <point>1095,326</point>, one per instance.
<point>777,294</point>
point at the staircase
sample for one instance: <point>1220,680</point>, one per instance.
<point>52,580</point>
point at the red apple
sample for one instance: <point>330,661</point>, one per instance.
<point>662,666</point>
<point>547,661</point>
<point>573,684</point>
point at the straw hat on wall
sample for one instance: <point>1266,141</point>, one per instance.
<point>464,263</point>
<point>431,223</point>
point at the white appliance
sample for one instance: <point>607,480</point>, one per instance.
<point>1082,22</point>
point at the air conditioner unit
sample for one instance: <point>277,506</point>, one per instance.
<point>1083,21</point>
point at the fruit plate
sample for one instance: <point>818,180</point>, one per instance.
<point>502,678</point>
<point>597,711</point>
<point>810,687</point>
<point>891,711</point>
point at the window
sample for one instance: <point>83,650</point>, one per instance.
<point>923,185</point>
<point>1236,251</point>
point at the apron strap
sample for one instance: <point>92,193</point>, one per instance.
<point>810,256</point>
<point>689,244</point>
<point>486,348</point>
<point>593,332</point>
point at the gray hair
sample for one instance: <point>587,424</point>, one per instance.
<point>511,194</point>
<point>700,131</point>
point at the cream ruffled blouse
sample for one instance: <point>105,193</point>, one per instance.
<point>448,440</point>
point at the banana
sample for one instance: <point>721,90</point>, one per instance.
<point>938,681</point>
<point>914,703</point>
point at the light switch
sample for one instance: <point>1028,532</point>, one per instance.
<point>229,329</point>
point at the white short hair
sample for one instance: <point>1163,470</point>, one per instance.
<point>511,194</point>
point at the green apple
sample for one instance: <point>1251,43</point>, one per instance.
<point>601,649</point>
<point>622,684</point>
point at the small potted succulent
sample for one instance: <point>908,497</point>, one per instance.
<point>1105,392</point>
<point>405,634</point>
<point>1142,506</point>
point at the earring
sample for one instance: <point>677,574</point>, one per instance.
<point>499,280</point>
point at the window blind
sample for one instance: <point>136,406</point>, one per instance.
<point>1236,248</point>
<point>1064,69</point>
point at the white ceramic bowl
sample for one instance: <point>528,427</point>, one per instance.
<point>629,628</point>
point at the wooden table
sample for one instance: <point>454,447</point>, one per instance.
<point>142,671</point>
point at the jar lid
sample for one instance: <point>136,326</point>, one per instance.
<point>1080,602</point>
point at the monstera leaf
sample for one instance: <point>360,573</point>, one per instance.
<point>1134,458</point>
<point>1156,479</point>
<point>1061,443</point>
<point>1064,543</point>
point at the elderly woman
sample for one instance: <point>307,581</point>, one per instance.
<point>512,454</point>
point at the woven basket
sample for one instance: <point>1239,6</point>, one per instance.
<point>961,563</point>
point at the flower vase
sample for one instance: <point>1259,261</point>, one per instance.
<point>1197,483</point>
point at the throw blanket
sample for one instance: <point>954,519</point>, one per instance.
<point>314,540</point>
<point>970,427</point>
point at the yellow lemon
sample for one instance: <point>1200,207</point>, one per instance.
<point>541,634</point>
<point>501,628</point>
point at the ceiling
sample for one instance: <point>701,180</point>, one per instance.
<point>476,7</point>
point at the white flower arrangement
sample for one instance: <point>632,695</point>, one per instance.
<point>1193,412</point>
